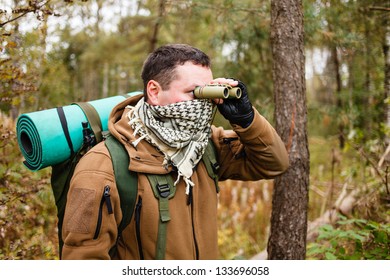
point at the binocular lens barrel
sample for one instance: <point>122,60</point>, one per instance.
<point>235,92</point>
<point>217,91</point>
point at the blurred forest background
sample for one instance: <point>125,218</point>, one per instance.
<point>56,52</point>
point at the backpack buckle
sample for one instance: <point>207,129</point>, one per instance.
<point>163,190</point>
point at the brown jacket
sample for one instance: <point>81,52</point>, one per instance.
<point>253,153</point>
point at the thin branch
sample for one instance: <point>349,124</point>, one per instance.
<point>384,156</point>
<point>377,8</point>
<point>33,9</point>
<point>15,18</point>
<point>387,181</point>
<point>373,165</point>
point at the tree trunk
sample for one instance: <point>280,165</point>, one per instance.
<point>154,39</point>
<point>339,103</point>
<point>386,52</point>
<point>290,199</point>
<point>14,110</point>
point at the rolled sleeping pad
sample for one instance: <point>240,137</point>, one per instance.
<point>41,137</point>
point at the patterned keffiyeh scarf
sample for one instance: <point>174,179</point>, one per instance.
<point>179,130</point>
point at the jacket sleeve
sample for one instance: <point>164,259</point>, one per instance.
<point>252,153</point>
<point>90,223</point>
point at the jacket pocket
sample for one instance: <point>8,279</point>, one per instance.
<point>138,208</point>
<point>106,199</point>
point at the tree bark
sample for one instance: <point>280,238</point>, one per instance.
<point>339,103</point>
<point>161,12</point>
<point>386,52</point>
<point>290,199</point>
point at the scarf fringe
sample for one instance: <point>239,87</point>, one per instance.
<point>188,182</point>
<point>135,143</point>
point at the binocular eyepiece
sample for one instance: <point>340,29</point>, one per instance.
<point>217,91</point>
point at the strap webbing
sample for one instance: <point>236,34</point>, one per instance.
<point>211,163</point>
<point>163,189</point>
<point>93,119</point>
<point>64,124</point>
<point>126,180</point>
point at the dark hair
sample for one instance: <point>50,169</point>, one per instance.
<point>161,64</point>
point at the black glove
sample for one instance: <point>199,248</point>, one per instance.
<point>238,111</point>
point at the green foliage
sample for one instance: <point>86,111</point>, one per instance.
<point>352,239</point>
<point>21,53</point>
<point>14,81</point>
<point>27,210</point>
<point>352,35</point>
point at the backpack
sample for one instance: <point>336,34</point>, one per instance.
<point>126,180</point>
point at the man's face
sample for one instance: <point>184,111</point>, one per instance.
<point>188,76</point>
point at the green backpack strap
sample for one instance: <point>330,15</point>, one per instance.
<point>163,189</point>
<point>93,119</point>
<point>211,162</point>
<point>60,181</point>
<point>126,181</point>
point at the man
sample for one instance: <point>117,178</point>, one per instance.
<point>166,131</point>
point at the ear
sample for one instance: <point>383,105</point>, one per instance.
<point>153,88</point>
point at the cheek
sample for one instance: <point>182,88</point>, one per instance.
<point>184,97</point>
<point>164,98</point>
<point>169,98</point>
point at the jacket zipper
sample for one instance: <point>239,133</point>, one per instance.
<point>138,227</point>
<point>229,140</point>
<point>193,226</point>
<point>105,199</point>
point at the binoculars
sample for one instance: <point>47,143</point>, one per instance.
<point>217,91</point>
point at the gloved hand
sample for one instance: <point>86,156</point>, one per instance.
<point>238,111</point>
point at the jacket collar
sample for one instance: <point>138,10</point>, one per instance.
<point>144,158</point>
